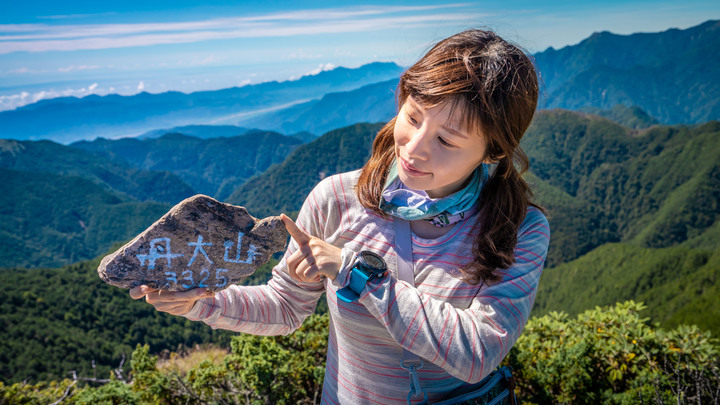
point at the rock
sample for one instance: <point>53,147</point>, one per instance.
<point>200,242</point>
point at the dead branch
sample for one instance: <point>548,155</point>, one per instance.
<point>67,390</point>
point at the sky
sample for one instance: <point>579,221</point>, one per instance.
<point>77,48</point>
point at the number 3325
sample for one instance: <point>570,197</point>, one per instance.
<point>187,281</point>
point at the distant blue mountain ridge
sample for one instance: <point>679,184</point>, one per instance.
<point>672,76</point>
<point>69,119</point>
<point>217,131</point>
<point>368,104</point>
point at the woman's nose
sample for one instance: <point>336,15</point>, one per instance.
<point>417,144</point>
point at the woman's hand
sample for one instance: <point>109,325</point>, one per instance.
<point>314,259</point>
<point>172,302</point>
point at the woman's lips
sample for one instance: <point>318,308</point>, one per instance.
<point>409,169</point>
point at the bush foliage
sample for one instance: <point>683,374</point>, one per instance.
<point>611,355</point>
<point>607,355</point>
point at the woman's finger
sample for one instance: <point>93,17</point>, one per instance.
<point>299,271</point>
<point>294,260</point>
<point>296,233</point>
<point>140,291</point>
<point>296,264</point>
<point>308,271</point>
<point>175,309</point>
<point>178,309</point>
<point>160,297</point>
<point>312,274</point>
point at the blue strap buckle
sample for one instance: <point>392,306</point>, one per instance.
<point>415,389</point>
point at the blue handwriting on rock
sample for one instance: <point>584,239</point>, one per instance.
<point>199,248</point>
<point>251,253</point>
<point>158,251</point>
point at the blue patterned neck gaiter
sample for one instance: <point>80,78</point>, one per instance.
<point>400,201</point>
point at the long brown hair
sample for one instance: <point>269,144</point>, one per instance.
<point>496,86</point>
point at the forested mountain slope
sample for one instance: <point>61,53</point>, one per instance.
<point>283,187</point>
<point>673,75</point>
<point>213,166</point>
<point>61,205</point>
<point>51,157</point>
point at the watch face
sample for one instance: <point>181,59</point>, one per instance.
<point>372,261</point>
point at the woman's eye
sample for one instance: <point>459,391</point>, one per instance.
<point>444,142</point>
<point>412,120</point>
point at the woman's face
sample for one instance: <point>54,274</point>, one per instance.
<point>434,152</point>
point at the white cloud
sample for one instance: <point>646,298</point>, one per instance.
<point>69,37</point>
<point>322,68</point>
<point>12,101</point>
<point>21,70</point>
<point>141,86</point>
<point>72,68</point>
<point>74,16</point>
<point>41,95</point>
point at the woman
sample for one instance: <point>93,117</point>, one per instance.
<point>447,164</point>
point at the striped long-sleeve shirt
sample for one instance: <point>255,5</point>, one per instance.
<point>459,330</point>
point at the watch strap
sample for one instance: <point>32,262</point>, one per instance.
<point>344,277</point>
<point>347,294</point>
<point>358,279</point>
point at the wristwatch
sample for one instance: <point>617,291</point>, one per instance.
<point>367,266</point>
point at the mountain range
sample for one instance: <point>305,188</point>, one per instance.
<point>371,103</point>
<point>213,166</point>
<point>68,119</point>
<point>632,201</point>
<point>61,204</point>
<point>283,187</point>
<point>674,76</point>
<point>216,131</point>
<point>602,182</point>
<point>50,220</point>
<point>633,215</point>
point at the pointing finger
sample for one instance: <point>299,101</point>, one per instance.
<point>298,235</point>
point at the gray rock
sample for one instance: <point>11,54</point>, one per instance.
<point>200,242</point>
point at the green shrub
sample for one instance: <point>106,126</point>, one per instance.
<point>611,355</point>
<point>607,355</point>
<point>40,393</point>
